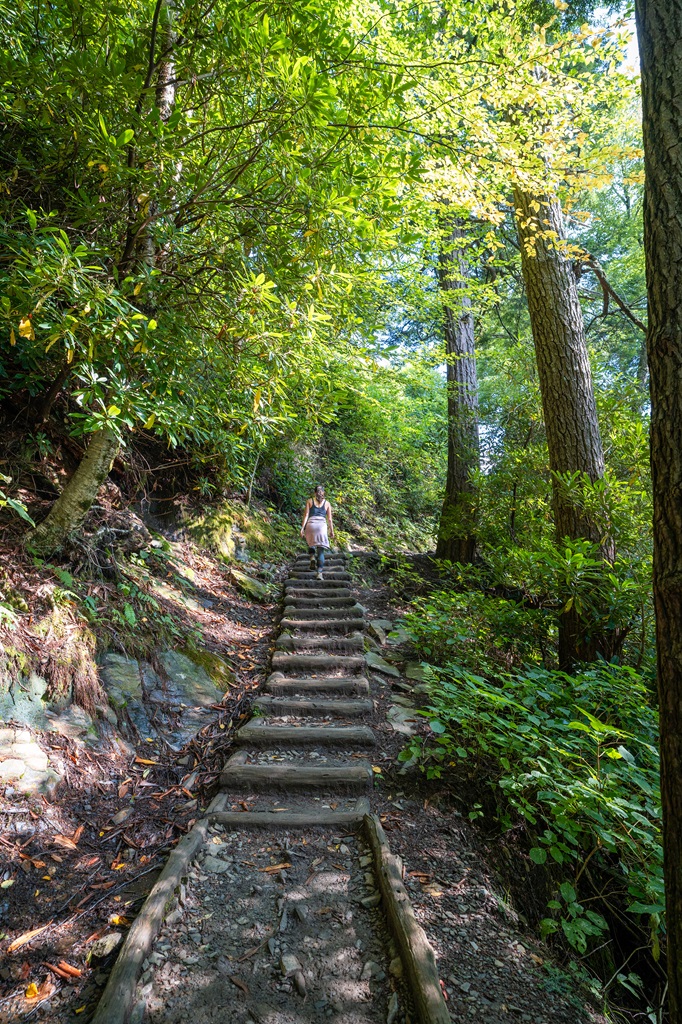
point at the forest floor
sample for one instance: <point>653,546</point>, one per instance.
<point>81,866</point>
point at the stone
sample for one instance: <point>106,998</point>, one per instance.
<point>395,967</point>
<point>414,670</point>
<point>23,699</point>
<point>122,680</point>
<point>371,901</point>
<point>383,624</point>
<point>104,947</point>
<point>175,596</point>
<point>399,635</point>
<point>188,681</point>
<point>76,724</point>
<point>393,1007</point>
<point>215,865</point>
<point>376,662</point>
<point>289,964</point>
<point>371,970</point>
<point>375,630</point>
<point>252,588</point>
<point>12,768</point>
<point>26,765</point>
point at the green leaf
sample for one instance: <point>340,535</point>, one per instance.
<point>568,892</point>
<point>646,908</point>
<point>537,855</point>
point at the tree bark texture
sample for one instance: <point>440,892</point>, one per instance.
<point>73,504</point>
<point>659,29</point>
<point>568,403</point>
<point>457,527</point>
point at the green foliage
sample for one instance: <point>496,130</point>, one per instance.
<point>575,757</point>
<point>228,526</point>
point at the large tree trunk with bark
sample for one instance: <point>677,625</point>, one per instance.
<point>659,28</point>
<point>568,402</point>
<point>457,527</point>
<point>73,504</point>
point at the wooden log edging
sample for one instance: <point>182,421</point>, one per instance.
<point>117,999</point>
<point>416,953</point>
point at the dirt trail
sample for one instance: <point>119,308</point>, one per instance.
<point>284,923</point>
<point>283,916</point>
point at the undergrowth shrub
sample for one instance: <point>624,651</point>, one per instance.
<point>575,757</point>
<point>572,757</point>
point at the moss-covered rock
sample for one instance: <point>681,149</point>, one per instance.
<point>218,669</point>
<point>232,531</point>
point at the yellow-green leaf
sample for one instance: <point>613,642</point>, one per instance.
<point>26,329</point>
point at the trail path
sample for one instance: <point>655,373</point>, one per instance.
<point>295,909</point>
<point>289,906</point>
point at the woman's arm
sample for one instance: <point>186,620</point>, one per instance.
<point>305,516</point>
<point>329,520</point>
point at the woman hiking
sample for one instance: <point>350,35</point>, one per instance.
<point>318,513</point>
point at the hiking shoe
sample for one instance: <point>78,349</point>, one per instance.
<point>319,574</point>
<point>313,563</point>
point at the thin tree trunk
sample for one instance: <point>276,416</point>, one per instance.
<point>73,504</point>
<point>41,406</point>
<point>568,402</point>
<point>659,29</point>
<point>457,527</point>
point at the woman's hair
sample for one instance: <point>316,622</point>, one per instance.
<point>319,487</point>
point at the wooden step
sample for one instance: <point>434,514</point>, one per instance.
<point>296,775</point>
<point>352,664</point>
<point>324,625</point>
<point>307,593</point>
<point>355,611</point>
<point>259,732</point>
<point>313,706</point>
<point>311,574</point>
<point>311,583</point>
<point>345,644</point>
<point>304,563</point>
<point>292,819</point>
<point>278,683</point>
<point>317,601</point>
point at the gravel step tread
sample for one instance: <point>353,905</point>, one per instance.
<point>319,625</point>
<point>350,663</point>
<point>314,706</point>
<point>277,683</point>
<point>261,733</point>
<point>297,775</point>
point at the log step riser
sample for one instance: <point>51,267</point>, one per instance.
<point>324,625</point>
<point>280,685</point>
<point>277,736</point>
<point>294,778</point>
<point>310,707</point>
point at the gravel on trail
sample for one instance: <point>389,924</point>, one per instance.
<point>275,928</point>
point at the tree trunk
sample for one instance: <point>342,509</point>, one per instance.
<point>41,406</point>
<point>568,403</point>
<point>457,527</point>
<point>659,28</point>
<point>73,504</point>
